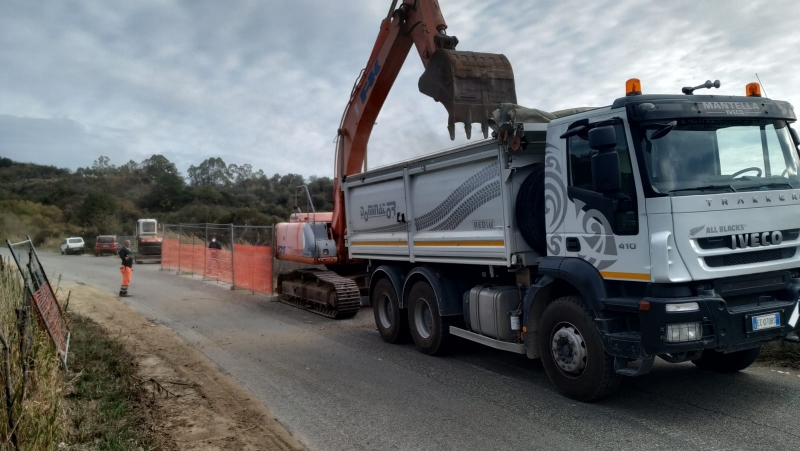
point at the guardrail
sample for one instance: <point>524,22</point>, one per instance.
<point>243,258</point>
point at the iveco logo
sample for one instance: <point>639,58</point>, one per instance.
<point>744,240</point>
<point>764,199</point>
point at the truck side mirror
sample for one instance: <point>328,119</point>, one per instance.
<point>606,177</point>
<point>795,136</point>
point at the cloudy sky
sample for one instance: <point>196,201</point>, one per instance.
<point>265,82</point>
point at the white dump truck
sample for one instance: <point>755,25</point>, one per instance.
<point>595,239</point>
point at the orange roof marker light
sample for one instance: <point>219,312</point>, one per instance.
<point>753,90</point>
<point>633,87</point>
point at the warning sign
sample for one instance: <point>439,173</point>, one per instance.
<point>42,296</point>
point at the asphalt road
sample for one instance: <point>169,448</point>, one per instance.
<point>337,386</point>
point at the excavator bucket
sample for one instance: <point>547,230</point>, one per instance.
<point>470,85</point>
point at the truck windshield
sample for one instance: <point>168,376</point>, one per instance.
<point>148,227</point>
<point>719,156</point>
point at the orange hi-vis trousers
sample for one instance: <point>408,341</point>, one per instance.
<point>126,278</point>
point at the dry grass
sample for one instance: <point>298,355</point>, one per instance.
<point>781,353</point>
<point>32,382</point>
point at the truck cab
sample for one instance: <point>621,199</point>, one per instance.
<point>676,219</point>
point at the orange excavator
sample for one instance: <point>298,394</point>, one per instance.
<point>470,85</point>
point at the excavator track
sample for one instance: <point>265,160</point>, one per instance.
<point>320,291</point>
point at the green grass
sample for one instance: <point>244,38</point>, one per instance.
<point>109,407</point>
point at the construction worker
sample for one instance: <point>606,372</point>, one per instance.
<point>214,257</point>
<point>126,269</point>
<point>214,244</point>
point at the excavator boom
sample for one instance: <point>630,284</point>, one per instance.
<point>469,85</point>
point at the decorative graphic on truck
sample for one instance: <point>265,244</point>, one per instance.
<point>472,203</point>
<point>599,246</point>
<point>555,199</point>
<point>473,193</point>
<point>433,217</point>
<point>599,237</point>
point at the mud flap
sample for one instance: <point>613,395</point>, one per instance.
<point>470,85</point>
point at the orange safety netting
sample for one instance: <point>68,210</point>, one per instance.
<point>248,267</point>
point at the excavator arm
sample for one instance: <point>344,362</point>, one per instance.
<point>470,86</point>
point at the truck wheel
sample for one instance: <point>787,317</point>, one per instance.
<point>391,321</point>
<point>530,210</point>
<point>727,363</point>
<point>429,330</point>
<point>572,351</point>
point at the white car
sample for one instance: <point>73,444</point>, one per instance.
<point>73,245</point>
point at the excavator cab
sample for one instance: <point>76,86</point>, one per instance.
<point>470,85</point>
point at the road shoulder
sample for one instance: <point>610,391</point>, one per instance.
<point>203,408</point>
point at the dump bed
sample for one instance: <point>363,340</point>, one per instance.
<point>456,206</point>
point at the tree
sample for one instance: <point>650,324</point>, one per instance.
<point>130,168</point>
<point>96,203</point>
<point>241,174</point>
<point>158,165</point>
<point>102,166</point>
<point>167,194</point>
<point>211,172</point>
<point>104,223</point>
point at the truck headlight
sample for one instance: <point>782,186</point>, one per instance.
<point>684,332</point>
<point>683,307</point>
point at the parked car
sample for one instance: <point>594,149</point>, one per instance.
<point>106,244</point>
<point>73,245</point>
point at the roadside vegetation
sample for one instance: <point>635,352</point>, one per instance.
<point>781,353</point>
<point>31,382</point>
<point>107,406</point>
<point>98,404</point>
<point>50,203</point>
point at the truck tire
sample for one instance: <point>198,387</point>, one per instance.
<point>732,362</point>
<point>392,322</point>
<point>530,210</point>
<point>572,351</point>
<point>429,331</point>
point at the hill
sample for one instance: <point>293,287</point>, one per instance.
<point>50,203</point>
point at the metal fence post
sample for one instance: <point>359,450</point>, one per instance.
<point>205,255</point>
<point>180,235</point>
<point>194,249</point>
<point>233,258</point>
<point>163,235</point>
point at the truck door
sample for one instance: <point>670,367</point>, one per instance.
<point>608,231</point>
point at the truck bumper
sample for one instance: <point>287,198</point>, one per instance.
<point>721,327</point>
<point>715,324</point>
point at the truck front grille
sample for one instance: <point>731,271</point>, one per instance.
<point>719,242</point>
<point>746,258</point>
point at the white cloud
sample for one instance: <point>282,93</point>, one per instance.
<point>256,83</point>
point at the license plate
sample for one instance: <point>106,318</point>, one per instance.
<point>766,321</point>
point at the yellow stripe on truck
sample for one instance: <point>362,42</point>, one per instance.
<point>433,243</point>
<point>381,243</point>
<point>459,243</point>
<point>625,275</point>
